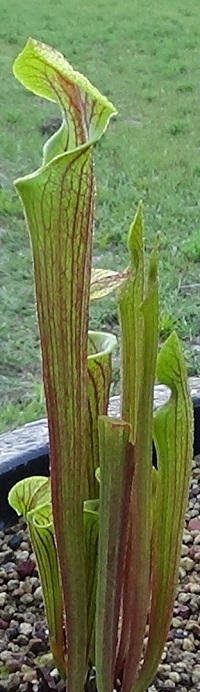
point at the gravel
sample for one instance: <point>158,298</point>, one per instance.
<point>23,632</point>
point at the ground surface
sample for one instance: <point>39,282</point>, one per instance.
<point>24,649</point>
<point>147,60</point>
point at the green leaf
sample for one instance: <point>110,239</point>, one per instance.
<point>91,535</point>
<point>139,567</point>
<point>98,474</point>
<point>42,536</point>
<point>28,494</point>
<point>104,281</point>
<point>130,298</point>
<point>59,207</point>
<point>173,434</point>
<point>116,463</point>
<point>58,201</point>
<point>125,601</point>
<point>101,346</point>
<point>45,72</point>
<point>31,497</point>
<point>154,485</point>
<point>56,144</point>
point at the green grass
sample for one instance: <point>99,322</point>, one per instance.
<point>146,59</point>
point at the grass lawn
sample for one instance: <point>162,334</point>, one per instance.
<point>146,59</point>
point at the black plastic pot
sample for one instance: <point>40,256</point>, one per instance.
<point>25,452</point>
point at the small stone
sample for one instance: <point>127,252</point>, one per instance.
<point>170,636</point>
<point>12,646</point>
<point>25,628</point>
<point>13,575</point>
<point>5,556</point>
<point>34,581</point>
<point>169,684</point>
<point>14,682</point>
<point>12,665</point>
<point>164,655</point>
<point>188,645</point>
<point>18,592</point>
<point>178,636</point>
<point>9,611</point>
<point>4,547</point>
<point>13,622</point>
<point>2,642</point>
<point>30,617</point>
<point>22,555</point>
<point>12,584</point>
<point>194,607</point>
<point>38,594</point>
<point>41,631</point>
<point>176,621</point>
<point>26,568</point>
<point>194,524</point>
<point>45,661</point>
<point>3,598</point>
<point>3,638</point>
<point>20,618</point>
<point>3,587</point>
<point>4,656</point>
<point>13,633</point>
<point>3,574</point>
<point>194,627</point>
<point>37,646</point>
<point>22,640</point>
<point>9,567</point>
<point>27,587</point>
<point>187,538</point>
<point>184,612</point>
<point>195,599</point>
<point>195,588</point>
<point>197,539</point>
<point>174,676</point>
<point>194,490</point>
<point>185,680</point>
<point>3,624</point>
<point>196,674</point>
<point>27,599</point>
<point>184,597</point>
<point>29,675</point>
<point>25,546</point>
<point>187,564</point>
<point>182,573</point>
<point>192,551</point>
<point>15,541</point>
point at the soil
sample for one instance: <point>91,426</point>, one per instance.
<point>26,664</point>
